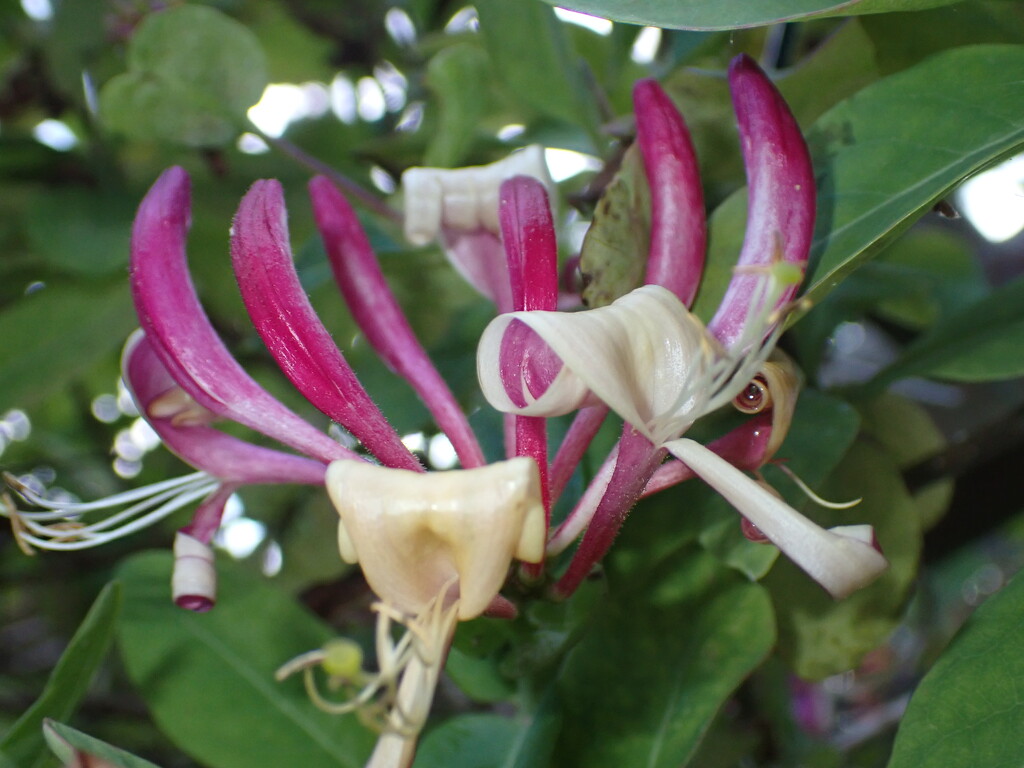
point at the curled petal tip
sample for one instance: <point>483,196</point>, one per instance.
<point>842,559</point>
<point>413,534</point>
<point>194,580</point>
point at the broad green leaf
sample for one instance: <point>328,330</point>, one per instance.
<point>884,156</point>
<point>887,154</point>
<point>469,741</point>
<point>733,14</point>
<point>927,273</point>
<point>968,709</point>
<point>192,74</point>
<point>208,679</point>
<point>894,6</point>
<point>819,636</point>
<point>701,14</point>
<point>70,745</point>
<point>902,40</point>
<point>459,77</point>
<point>52,335</point>
<point>981,342</point>
<point>910,435</point>
<point>23,744</point>
<point>529,53</point>
<point>614,251</point>
<point>662,657</point>
<point>81,231</point>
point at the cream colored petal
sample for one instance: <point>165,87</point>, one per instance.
<point>464,198</point>
<point>413,532</point>
<point>644,355</point>
<point>841,559</point>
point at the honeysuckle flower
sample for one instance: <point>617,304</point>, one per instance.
<point>660,368</point>
<point>459,207</point>
<point>436,548</point>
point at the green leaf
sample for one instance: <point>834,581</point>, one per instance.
<point>531,55</point>
<point>208,679</point>
<point>23,744</point>
<point>885,156</point>
<point>662,657</point>
<point>614,251</point>
<point>700,14</point>
<point>968,709</point>
<point>69,745</point>
<point>907,431</point>
<point>981,342</point>
<point>93,232</point>
<point>192,74</point>
<point>54,334</point>
<point>902,40</point>
<point>819,636</point>
<point>459,77</point>
<point>469,741</point>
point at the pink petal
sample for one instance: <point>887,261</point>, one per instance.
<point>181,334</point>
<point>480,258</point>
<point>745,447</point>
<point>528,233</point>
<point>377,312</point>
<point>293,333</point>
<point>781,206</point>
<point>216,453</point>
<point>678,228</point>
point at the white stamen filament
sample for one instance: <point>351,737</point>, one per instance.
<point>64,530</point>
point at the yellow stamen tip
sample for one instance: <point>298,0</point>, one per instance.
<point>343,658</point>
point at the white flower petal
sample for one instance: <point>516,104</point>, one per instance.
<point>465,199</point>
<point>645,356</point>
<point>413,533</point>
<point>842,559</point>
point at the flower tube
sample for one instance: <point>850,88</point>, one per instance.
<point>660,369</point>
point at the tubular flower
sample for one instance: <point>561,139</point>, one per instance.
<point>460,208</point>
<point>660,368</point>
<point>435,547</point>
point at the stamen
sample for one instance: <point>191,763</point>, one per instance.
<point>812,495</point>
<point>384,700</point>
<point>60,528</point>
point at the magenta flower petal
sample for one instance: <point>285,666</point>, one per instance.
<point>377,312</point>
<point>212,451</point>
<point>293,333</point>
<point>575,443</point>
<point>781,206</point>
<point>181,334</point>
<point>528,233</point>
<point>745,447</point>
<point>678,228</point>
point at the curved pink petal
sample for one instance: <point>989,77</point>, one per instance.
<point>181,334</point>
<point>678,228</point>
<point>377,312</point>
<point>212,451</point>
<point>745,447</point>
<point>528,232</point>
<point>293,333</point>
<point>781,205</point>
<point>479,257</point>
